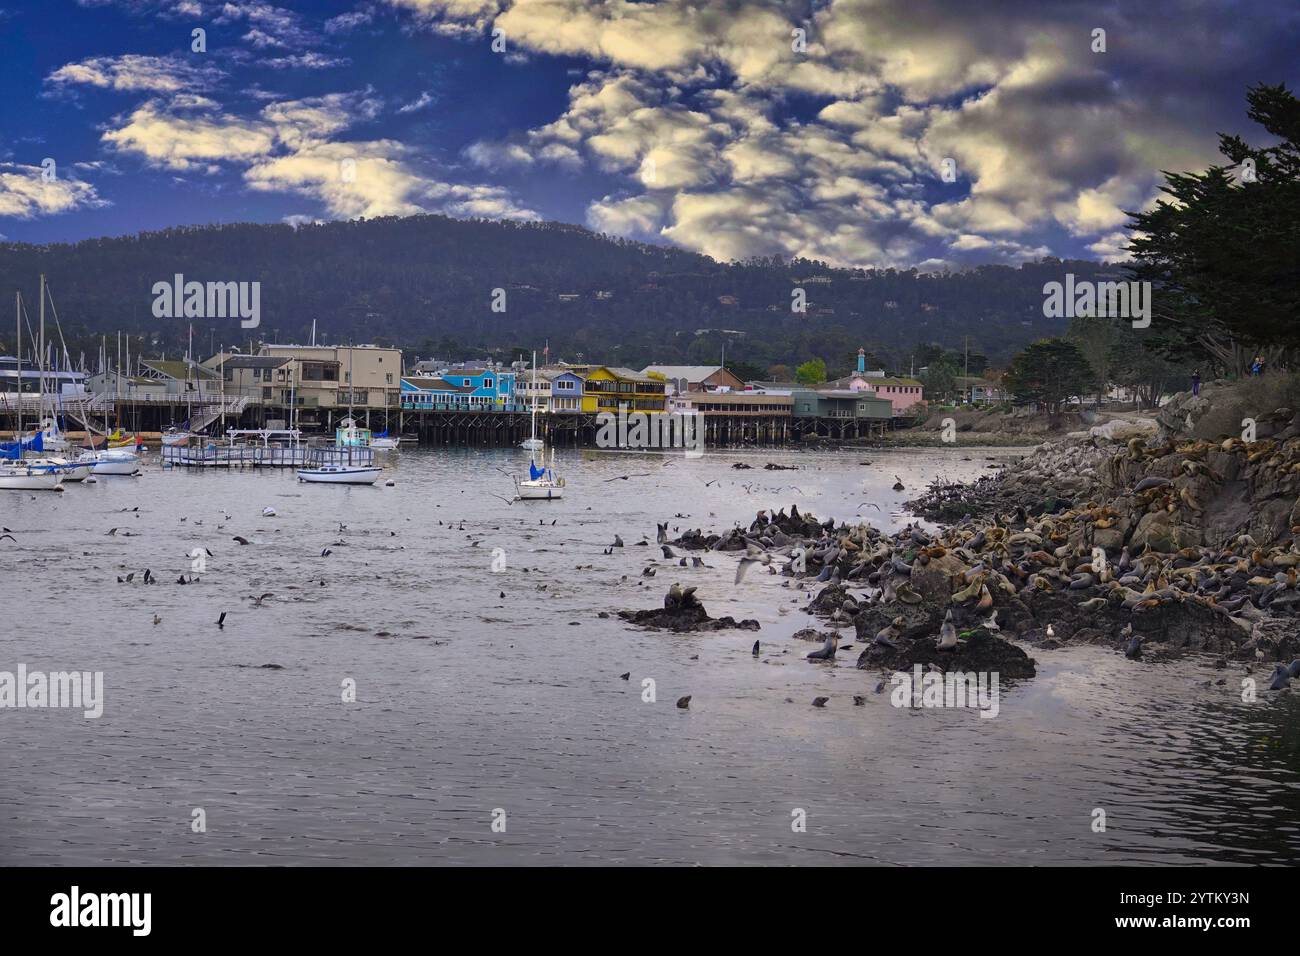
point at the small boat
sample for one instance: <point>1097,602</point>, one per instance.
<point>340,474</point>
<point>383,442</point>
<point>532,444</point>
<point>71,471</point>
<point>177,437</point>
<point>542,484</point>
<point>112,462</point>
<point>16,477</point>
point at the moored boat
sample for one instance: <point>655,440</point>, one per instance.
<point>340,475</point>
<point>70,470</point>
<point>16,477</point>
<point>113,462</point>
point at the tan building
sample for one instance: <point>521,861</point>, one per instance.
<point>336,377</point>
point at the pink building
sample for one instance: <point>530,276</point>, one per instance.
<point>902,393</point>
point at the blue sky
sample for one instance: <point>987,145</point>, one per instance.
<point>730,128</point>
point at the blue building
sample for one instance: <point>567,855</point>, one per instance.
<point>481,389</point>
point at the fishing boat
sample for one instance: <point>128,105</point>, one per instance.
<point>21,477</point>
<point>340,474</point>
<point>542,484</point>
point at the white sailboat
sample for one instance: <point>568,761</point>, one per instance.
<point>533,443</point>
<point>111,462</point>
<point>18,476</point>
<point>341,474</point>
<point>70,470</point>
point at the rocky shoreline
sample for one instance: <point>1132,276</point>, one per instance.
<point>1125,536</point>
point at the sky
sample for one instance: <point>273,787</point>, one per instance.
<point>875,133</point>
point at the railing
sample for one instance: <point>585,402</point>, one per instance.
<point>264,456</point>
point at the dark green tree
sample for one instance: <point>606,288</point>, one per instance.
<point>1223,250</point>
<point>1049,373</point>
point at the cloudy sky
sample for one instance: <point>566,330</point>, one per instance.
<point>728,127</point>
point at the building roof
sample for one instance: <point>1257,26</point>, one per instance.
<point>895,381</point>
<point>628,373</point>
<point>692,373</point>
<point>849,393</point>
<point>432,384</point>
<point>255,361</point>
<point>178,369</point>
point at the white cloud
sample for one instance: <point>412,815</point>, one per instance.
<point>293,147</point>
<point>27,192</point>
<point>134,73</point>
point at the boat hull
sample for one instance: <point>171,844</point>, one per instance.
<point>539,491</point>
<point>384,443</point>
<point>71,471</point>
<point>30,480</point>
<point>341,476</point>
<point>112,463</point>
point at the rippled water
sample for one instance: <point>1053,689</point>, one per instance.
<point>468,701</point>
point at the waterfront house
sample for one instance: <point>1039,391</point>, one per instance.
<point>430,393</point>
<point>606,388</point>
<point>903,393</point>
<point>489,386</point>
<point>327,377</point>
<point>695,378</point>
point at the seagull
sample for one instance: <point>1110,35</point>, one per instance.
<point>743,567</point>
<point>257,601</point>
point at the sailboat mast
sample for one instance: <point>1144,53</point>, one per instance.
<point>534,391</point>
<point>18,322</point>
<point>40,361</point>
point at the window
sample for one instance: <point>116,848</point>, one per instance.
<point>388,376</point>
<point>487,383</point>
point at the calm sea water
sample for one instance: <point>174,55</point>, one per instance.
<point>468,702</point>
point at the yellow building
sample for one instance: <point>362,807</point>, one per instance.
<point>607,389</point>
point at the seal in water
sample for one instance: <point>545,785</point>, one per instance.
<point>827,652</point>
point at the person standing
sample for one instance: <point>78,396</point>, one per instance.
<point>1196,382</point>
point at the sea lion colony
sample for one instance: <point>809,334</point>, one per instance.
<point>1100,538</point>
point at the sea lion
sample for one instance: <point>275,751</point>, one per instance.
<point>947,633</point>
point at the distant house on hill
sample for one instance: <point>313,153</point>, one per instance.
<point>980,391</point>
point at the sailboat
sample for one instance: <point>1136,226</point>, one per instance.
<point>533,443</point>
<point>383,442</point>
<point>20,476</point>
<point>542,483</point>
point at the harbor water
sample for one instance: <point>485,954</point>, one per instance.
<point>488,687</point>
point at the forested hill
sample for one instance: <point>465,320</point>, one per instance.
<point>426,283</point>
